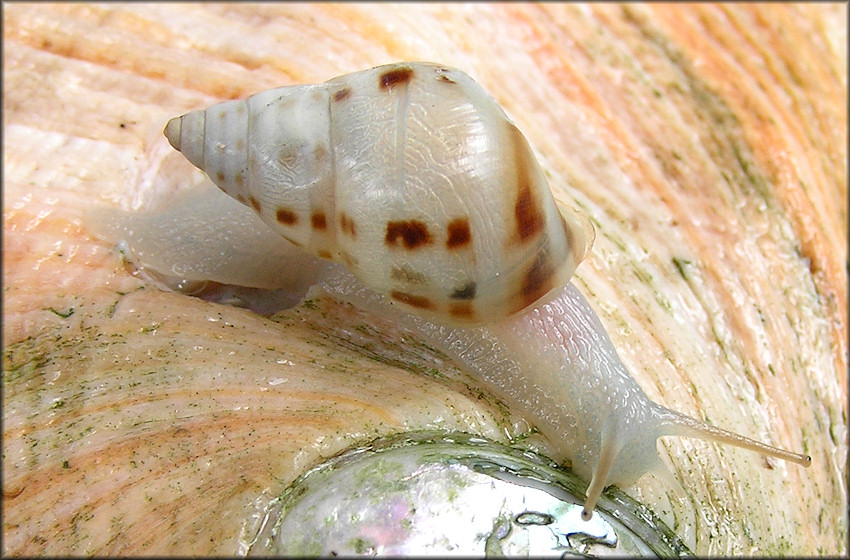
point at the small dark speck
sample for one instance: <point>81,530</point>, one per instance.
<point>682,266</point>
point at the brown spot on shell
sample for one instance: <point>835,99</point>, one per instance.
<point>538,279</point>
<point>465,292</point>
<point>320,153</point>
<point>413,234</point>
<point>219,176</point>
<point>396,77</point>
<point>342,94</point>
<point>528,216</point>
<point>240,182</point>
<point>527,210</point>
<point>459,234</point>
<point>412,300</point>
<point>318,221</point>
<point>255,204</point>
<point>347,225</point>
<point>240,144</point>
<point>240,198</point>
<point>461,310</point>
<point>325,254</point>
<point>286,216</point>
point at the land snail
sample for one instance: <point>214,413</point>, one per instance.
<point>414,179</point>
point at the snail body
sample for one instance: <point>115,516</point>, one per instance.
<point>556,364</point>
<point>415,180</point>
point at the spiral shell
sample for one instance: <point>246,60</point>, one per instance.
<point>409,174</point>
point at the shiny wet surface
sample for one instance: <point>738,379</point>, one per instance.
<point>426,493</point>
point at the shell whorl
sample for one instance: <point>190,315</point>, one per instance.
<point>409,174</point>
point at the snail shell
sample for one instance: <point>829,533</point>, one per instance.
<point>409,174</point>
<point>413,178</point>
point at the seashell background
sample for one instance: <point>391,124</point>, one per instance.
<point>707,143</point>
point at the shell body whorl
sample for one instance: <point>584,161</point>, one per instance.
<point>409,174</point>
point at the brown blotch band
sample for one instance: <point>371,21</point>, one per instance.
<point>528,217</point>
<point>346,225</point>
<point>342,94</point>
<point>286,216</point>
<point>538,279</point>
<point>527,211</point>
<point>318,221</point>
<point>465,292</point>
<point>240,198</point>
<point>459,234</point>
<point>255,204</point>
<point>411,233</point>
<point>412,300</point>
<point>396,77</point>
<point>461,310</point>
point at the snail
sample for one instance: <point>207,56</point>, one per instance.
<point>413,179</point>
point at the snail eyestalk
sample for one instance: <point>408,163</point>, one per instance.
<point>603,471</point>
<point>681,425</point>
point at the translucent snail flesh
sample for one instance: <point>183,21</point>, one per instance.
<point>413,177</point>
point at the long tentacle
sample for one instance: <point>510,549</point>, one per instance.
<point>681,425</point>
